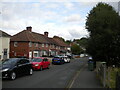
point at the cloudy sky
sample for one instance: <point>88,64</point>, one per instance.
<point>65,18</point>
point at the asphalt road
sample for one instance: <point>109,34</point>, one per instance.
<point>58,76</point>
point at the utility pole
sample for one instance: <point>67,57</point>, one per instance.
<point>119,7</point>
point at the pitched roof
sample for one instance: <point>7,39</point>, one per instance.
<point>53,41</point>
<point>60,42</point>
<point>24,35</point>
<point>4,34</point>
<point>28,36</point>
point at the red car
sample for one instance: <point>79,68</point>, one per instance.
<point>39,63</point>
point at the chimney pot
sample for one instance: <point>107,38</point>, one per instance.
<point>29,28</point>
<point>46,34</point>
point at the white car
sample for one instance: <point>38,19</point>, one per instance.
<point>66,59</point>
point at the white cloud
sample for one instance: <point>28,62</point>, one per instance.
<point>67,22</point>
<point>73,18</point>
<point>53,5</point>
<point>59,0</point>
<point>69,5</point>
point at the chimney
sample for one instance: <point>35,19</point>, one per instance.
<point>29,28</point>
<point>46,34</point>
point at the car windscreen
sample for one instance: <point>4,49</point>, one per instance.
<point>36,60</point>
<point>9,61</point>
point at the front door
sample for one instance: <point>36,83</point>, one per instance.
<point>30,55</point>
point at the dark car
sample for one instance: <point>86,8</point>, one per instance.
<point>58,60</point>
<point>14,67</point>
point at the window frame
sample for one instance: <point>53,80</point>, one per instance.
<point>43,45</point>
<point>15,44</point>
<point>30,44</point>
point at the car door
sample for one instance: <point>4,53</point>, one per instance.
<point>26,65</point>
<point>45,63</point>
<point>20,68</point>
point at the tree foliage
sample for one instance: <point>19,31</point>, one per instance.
<point>82,42</point>
<point>68,41</point>
<point>103,25</point>
<point>76,49</point>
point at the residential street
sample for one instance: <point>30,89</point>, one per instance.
<point>58,76</point>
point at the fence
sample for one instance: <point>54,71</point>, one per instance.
<point>118,81</point>
<point>101,72</point>
<point>108,76</point>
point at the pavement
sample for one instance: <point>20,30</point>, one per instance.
<point>85,78</point>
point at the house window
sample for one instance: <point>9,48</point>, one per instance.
<point>15,54</point>
<point>46,45</point>
<point>42,45</point>
<point>36,44</point>
<point>15,44</point>
<point>35,53</point>
<point>56,47</point>
<point>5,51</point>
<point>53,46</point>
<point>30,44</point>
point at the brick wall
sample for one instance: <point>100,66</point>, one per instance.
<point>21,49</point>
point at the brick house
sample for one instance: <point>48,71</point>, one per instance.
<point>30,44</point>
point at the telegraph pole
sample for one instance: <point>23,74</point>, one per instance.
<point>119,7</point>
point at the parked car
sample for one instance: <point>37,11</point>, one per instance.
<point>14,67</point>
<point>66,59</point>
<point>70,56</point>
<point>39,63</point>
<point>58,60</point>
<point>82,55</point>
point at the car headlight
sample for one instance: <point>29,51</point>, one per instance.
<point>6,69</point>
<point>36,64</point>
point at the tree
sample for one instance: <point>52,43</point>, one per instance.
<point>103,25</point>
<point>83,42</point>
<point>76,49</point>
<point>68,41</point>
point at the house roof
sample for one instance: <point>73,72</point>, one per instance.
<point>28,36</point>
<point>4,34</point>
<point>60,42</point>
<point>24,35</point>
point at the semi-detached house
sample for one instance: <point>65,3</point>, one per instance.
<point>31,44</point>
<point>4,45</point>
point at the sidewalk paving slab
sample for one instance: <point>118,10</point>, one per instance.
<point>87,79</point>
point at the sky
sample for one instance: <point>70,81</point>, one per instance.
<point>64,18</point>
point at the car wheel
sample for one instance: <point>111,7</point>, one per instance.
<point>41,68</point>
<point>13,76</point>
<point>48,67</point>
<point>31,71</point>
